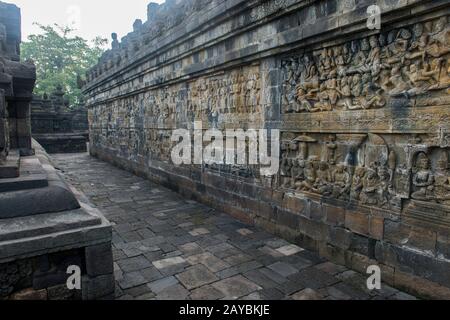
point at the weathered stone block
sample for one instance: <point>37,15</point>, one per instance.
<point>360,244</point>
<point>423,239</point>
<point>98,287</point>
<point>99,260</point>
<point>295,204</point>
<point>414,262</point>
<point>420,286</point>
<point>288,219</point>
<point>376,227</point>
<point>361,262</point>
<point>30,294</point>
<point>339,237</point>
<point>357,222</point>
<point>335,216</point>
<point>315,230</point>
<point>61,292</point>
<point>332,253</point>
<point>396,232</point>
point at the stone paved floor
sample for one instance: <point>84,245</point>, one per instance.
<point>168,248</point>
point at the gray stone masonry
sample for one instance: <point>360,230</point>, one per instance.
<point>165,247</point>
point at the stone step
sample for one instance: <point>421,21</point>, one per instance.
<point>32,176</point>
<point>10,168</point>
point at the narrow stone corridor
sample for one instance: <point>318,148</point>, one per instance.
<point>166,247</point>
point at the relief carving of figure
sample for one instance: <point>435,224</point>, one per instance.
<point>369,72</point>
<point>310,178</point>
<point>346,93</point>
<point>396,82</point>
<point>297,172</point>
<point>341,182</point>
<point>302,103</point>
<point>385,189</point>
<point>374,59</point>
<point>371,184</point>
<point>421,80</point>
<point>419,44</point>
<point>331,148</point>
<point>322,185</point>
<point>310,81</point>
<point>360,53</point>
<point>324,103</point>
<point>439,43</point>
<point>423,179</point>
<point>357,184</point>
<point>372,94</point>
<point>442,179</point>
<point>285,168</point>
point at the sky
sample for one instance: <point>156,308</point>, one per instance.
<point>91,18</point>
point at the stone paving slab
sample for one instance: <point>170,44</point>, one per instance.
<point>166,247</point>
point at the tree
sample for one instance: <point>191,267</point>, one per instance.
<point>60,57</point>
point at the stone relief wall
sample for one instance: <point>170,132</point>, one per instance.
<point>382,171</point>
<point>408,67</point>
<point>363,119</point>
<point>403,68</point>
<point>142,125</point>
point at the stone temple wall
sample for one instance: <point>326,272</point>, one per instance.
<point>56,127</point>
<point>363,114</point>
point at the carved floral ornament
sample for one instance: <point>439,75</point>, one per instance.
<point>410,64</point>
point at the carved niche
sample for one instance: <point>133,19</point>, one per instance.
<point>430,186</point>
<point>407,66</point>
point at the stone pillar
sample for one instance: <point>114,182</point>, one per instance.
<point>23,128</point>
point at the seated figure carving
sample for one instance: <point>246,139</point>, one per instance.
<point>322,184</point>
<point>423,179</point>
<point>357,184</point>
<point>310,178</point>
<point>442,180</point>
<point>297,172</point>
<point>370,190</point>
<point>342,181</point>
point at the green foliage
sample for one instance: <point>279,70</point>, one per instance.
<point>60,57</point>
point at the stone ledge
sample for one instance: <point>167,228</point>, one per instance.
<point>64,229</point>
<point>10,169</point>
<point>32,175</point>
<point>35,226</point>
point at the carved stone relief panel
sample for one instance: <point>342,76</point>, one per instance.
<point>381,171</point>
<point>404,67</point>
<point>233,92</point>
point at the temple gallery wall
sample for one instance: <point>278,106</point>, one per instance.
<point>364,118</point>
